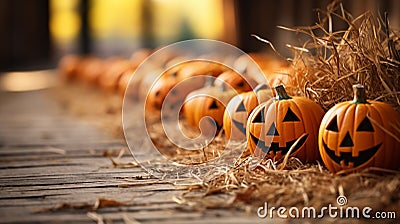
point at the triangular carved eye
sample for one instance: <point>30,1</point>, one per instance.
<point>365,125</point>
<point>333,126</point>
<point>213,105</point>
<point>260,117</point>
<point>241,107</point>
<point>290,116</point>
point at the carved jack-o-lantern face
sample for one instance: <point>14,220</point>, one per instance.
<point>274,127</point>
<point>349,137</point>
<point>208,102</point>
<point>239,108</point>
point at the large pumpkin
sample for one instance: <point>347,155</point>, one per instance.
<point>209,103</point>
<point>239,108</point>
<point>276,125</point>
<point>355,135</point>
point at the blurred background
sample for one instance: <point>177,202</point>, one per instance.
<point>35,34</point>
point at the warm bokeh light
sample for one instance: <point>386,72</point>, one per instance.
<point>121,18</point>
<point>123,25</point>
<point>205,17</point>
<point>175,20</point>
<point>27,81</point>
<point>65,22</point>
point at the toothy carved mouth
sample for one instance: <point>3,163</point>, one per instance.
<point>363,156</point>
<point>274,146</point>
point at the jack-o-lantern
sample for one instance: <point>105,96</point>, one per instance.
<point>284,123</point>
<point>181,73</point>
<point>355,135</point>
<point>199,67</point>
<point>239,108</point>
<point>209,103</point>
<point>236,81</point>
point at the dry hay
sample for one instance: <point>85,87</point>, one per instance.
<point>368,53</point>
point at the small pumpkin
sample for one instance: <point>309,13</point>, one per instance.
<point>355,135</point>
<point>124,81</point>
<point>174,76</point>
<point>90,69</point>
<point>68,66</point>
<point>199,67</point>
<point>109,80</point>
<point>276,125</point>
<point>208,102</point>
<point>236,81</point>
<point>239,108</point>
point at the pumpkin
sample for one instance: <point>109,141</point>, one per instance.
<point>139,56</point>
<point>110,78</point>
<point>355,135</point>
<point>68,66</point>
<point>239,108</point>
<point>180,74</point>
<point>209,103</point>
<point>124,81</point>
<point>276,125</point>
<point>199,67</point>
<point>236,81</point>
<point>90,69</point>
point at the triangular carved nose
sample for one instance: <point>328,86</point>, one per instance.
<point>272,130</point>
<point>347,142</point>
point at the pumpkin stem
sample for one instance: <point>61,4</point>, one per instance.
<point>281,93</point>
<point>260,87</point>
<point>359,94</point>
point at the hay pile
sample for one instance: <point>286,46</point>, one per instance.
<point>366,53</point>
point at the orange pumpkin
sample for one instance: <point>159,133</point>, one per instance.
<point>209,103</point>
<point>124,81</point>
<point>239,108</point>
<point>90,69</point>
<point>355,135</point>
<point>276,125</point>
<point>236,81</point>
<point>199,67</point>
<point>174,76</point>
<point>69,65</point>
<point>110,78</point>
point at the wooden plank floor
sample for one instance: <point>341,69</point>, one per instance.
<point>55,168</point>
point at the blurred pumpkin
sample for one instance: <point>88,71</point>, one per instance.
<point>110,78</point>
<point>355,135</point>
<point>199,67</point>
<point>235,80</point>
<point>209,103</point>
<point>124,81</point>
<point>274,127</point>
<point>139,56</point>
<point>239,108</point>
<point>176,82</point>
<point>68,66</point>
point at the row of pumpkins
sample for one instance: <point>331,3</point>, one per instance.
<point>351,135</point>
